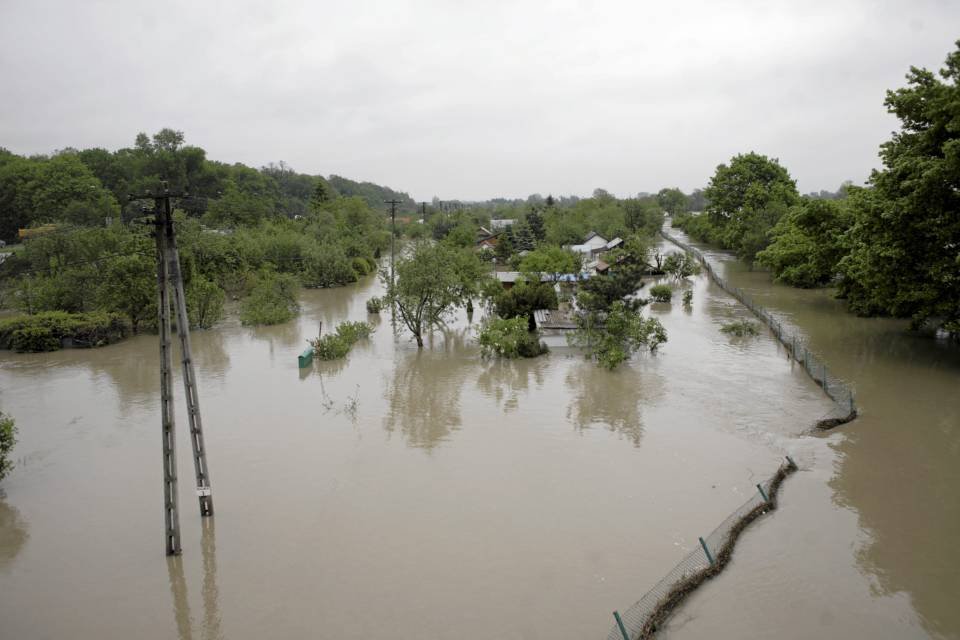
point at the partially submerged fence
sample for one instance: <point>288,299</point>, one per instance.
<point>649,614</point>
<point>845,408</point>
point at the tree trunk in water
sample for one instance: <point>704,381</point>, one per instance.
<point>419,341</point>
<point>531,322</point>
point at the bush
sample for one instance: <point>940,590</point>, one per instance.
<point>510,338</point>
<point>741,328</point>
<point>273,300</point>
<point>45,331</point>
<point>374,305</point>
<point>204,302</point>
<point>337,344</point>
<point>327,266</point>
<point>8,438</point>
<point>661,293</point>
<point>611,337</point>
<point>681,265</point>
<point>688,297</point>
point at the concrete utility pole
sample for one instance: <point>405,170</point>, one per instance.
<point>170,278</point>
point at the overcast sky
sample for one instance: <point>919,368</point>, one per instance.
<point>474,100</point>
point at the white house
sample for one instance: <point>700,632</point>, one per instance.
<point>593,243</point>
<point>499,224</point>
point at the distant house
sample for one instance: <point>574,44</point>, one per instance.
<point>592,243</point>
<point>499,224</point>
<point>26,234</point>
<point>490,242</point>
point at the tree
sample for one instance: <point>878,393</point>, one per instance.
<point>535,222</point>
<point>808,243</point>
<point>8,438</point>
<point>551,261</point>
<point>681,265</point>
<point>273,300</point>
<point>673,201</point>
<point>611,337</point>
<point>426,288</point>
<point>129,286</point>
<point>204,302</point>
<point>903,245</point>
<point>747,198</point>
<point>523,300</point>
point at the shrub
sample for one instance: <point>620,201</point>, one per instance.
<point>661,293</point>
<point>681,265</point>
<point>273,300</point>
<point>741,328</point>
<point>8,438</point>
<point>510,338</point>
<point>688,297</point>
<point>327,266</point>
<point>44,331</point>
<point>374,305</point>
<point>204,302</point>
<point>611,337</point>
<point>337,344</point>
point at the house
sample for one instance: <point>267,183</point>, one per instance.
<point>490,242</point>
<point>26,234</point>
<point>591,244</point>
<point>499,224</point>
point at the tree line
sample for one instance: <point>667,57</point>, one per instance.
<point>891,247</point>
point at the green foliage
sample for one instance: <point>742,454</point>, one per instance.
<point>747,198</point>
<point>549,260</point>
<point>903,258</point>
<point>808,242</point>
<point>681,265</point>
<point>509,338</point>
<point>44,331</point>
<point>273,300</point>
<point>661,292</point>
<point>523,299</point>
<point>741,328</point>
<point>8,438</point>
<point>673,201</point>
<point>327,266</point>
<point>611,337</point>
<point>688,297</point>
<point>374,305</point>
<point>428,286</point>
<point>337,344</point>
<point>204,302</point>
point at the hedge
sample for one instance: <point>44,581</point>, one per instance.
<point>47,331</point>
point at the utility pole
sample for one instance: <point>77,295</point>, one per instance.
<point>169,278</point>
<point>393,234</point>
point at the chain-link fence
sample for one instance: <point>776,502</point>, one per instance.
<point>648,614</point>
<point>845,409</point>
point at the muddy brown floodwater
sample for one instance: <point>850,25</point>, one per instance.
<point>434,494</point>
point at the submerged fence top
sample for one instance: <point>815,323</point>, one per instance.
<point>842,395</point>
<point>641,619</point>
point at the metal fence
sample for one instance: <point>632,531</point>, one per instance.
<point>714,551</point>
<point>845,408</point>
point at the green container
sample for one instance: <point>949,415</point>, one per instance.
<point>305,358</point>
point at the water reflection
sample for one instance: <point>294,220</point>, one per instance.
<point>210,352</point>
<point>13,534</point>
<point>423,395</point>
<point>210,628</point>
<point>506,380</point>
<point>613,399</point>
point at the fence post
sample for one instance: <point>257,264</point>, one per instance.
<point>763,494</point>
<point>623,629</point>
<point>825,379</point>
<point>706,551</point>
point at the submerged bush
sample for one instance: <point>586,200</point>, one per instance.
<point>741,328</point>
<point>8,438</point>
<point>337,344</point>
<point>661,293</point>
<point>688,297</point>
<point>510,338</point>
<point>45,331</point>
<point>374,305</point>
<point>273,300</point>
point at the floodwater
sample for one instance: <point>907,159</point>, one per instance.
<point>432,494</point>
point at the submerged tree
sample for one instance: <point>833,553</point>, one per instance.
<point>611,337</point>
<point>427,287</point>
